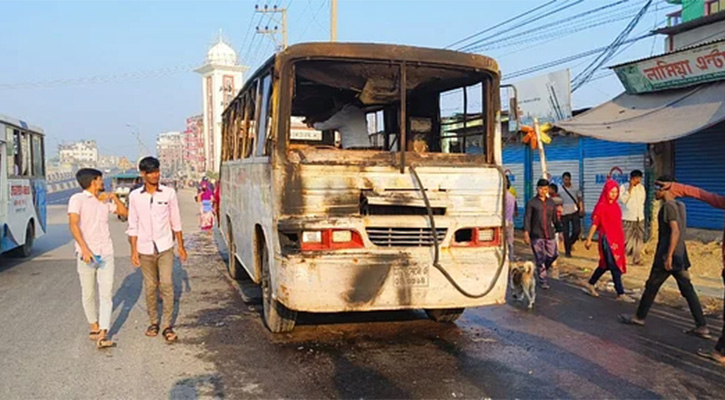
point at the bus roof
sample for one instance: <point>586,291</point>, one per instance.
<point>386,52</point>
<point>4,119</point>
<point>380,52</point>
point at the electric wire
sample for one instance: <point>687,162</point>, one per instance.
<point>512,19</point>
<point>534,18</point>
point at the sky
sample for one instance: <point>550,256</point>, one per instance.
<point>89,69</point>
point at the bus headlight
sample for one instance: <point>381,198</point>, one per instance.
<point>477,237</point>
<point>341,236</point>
<point>312,237</point>
<point>331,239</point>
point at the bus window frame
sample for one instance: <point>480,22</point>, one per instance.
<point>266,81</point>
<point>250,127</point>
<point>489,99</point>
<point>12,133</point>
<point>40,160</point>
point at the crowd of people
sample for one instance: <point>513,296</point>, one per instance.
<point>619,223</point>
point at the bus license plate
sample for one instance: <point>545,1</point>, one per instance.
<point>405,276</point>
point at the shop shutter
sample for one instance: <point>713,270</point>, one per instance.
<point>513,163</point>
<point>562,155</point>
<point>600,158</point>
<point>699,162</point>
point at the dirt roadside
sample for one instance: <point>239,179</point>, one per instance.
<point>705,271</point>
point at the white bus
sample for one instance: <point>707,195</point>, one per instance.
<point>382,226</point>
<point>22,185</point>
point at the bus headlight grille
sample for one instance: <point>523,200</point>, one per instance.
<point>404,237</point>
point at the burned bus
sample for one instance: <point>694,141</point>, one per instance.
<point>350,184</point>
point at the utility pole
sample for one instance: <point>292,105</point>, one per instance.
<point>333,20</point>
<point>281,44</point>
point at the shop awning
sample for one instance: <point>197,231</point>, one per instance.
<point>652,117</point>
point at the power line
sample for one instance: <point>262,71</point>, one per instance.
<point>549,13</point>
<point>314,17</point>
<point>90,80</point>
<point>541,67</point>
<point>562,25</point>
<point>512,19</point>
<point>607,54</point>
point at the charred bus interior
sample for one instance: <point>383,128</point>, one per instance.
<point>444,109</point>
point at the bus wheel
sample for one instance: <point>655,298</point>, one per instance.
<point>233,267</point>
<point>277,317</point>
<point>444,314</point>
<point>25,250</point>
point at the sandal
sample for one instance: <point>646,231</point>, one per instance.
<point>629,320</point>
<point>699,332</point>
<point>104,343</point>
<point>152,330</point>
<point>712,355</point>
<point>169,335</point>
<point>93,335</point>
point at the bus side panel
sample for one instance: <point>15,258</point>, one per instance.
<point>40,192</point>
<point>247,203</point>
<point>21,209</point>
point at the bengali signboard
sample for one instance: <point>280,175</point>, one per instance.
<point>684,68</point>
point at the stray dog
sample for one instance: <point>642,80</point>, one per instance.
<point>523,282</point>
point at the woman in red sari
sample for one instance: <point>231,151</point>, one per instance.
<point>607,219</point>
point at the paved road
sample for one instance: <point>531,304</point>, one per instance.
<point>62,197</point>
<point>570,346</point>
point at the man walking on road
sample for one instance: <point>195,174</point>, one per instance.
<point>572,212</point>
<point>670,260</point>
<point>632,197</point>
<point>539,231</point>
<point>717,201</point>
<point>88,222</point>
<point>154,222</point>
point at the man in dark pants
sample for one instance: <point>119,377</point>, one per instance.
<point>571,213</point>
<point>539,231</point>
<point>717,201</point>
<point>670,260</point>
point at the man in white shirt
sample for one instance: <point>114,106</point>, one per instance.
<point>632,197</point>
<point>349,120</point>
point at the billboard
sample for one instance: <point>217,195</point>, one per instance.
<point>546,97</point>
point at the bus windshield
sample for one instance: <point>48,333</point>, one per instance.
<point>354,105</point>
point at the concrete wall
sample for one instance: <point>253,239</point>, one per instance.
<point>703,34</point>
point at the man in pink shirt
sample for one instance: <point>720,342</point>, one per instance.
<point>154,222</point>
<point>88,222</point>
<point>717,201</point>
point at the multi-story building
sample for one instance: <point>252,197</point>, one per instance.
<point>194,160</point>
<point>221,80</point>
<point>170,150</point>
<point>81,153</point>
<point>108,161</point>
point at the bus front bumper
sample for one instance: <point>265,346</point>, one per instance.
<point>390,280</point>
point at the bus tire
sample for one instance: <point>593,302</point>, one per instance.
<point>444,314</point>
<point>233,267</point>
<point>277,317</point>
<point>27,248</point>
